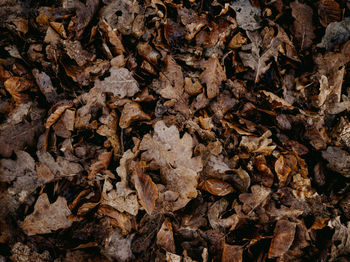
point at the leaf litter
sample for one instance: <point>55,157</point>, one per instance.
<point>174,130</point>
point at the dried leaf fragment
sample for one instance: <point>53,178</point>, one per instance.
<point>212,76</point>
<point>57,111</point>
<point>216,187</point>
<point>252,200</point>
<point>47,217</point>
<point>232,253</point>
<point>16,85</point>
<point>147,191</point>
<point>132,112</point>
<point>283,238</point>
<point>303,25</point>
<point>120,83</point>
<point>165,238</point>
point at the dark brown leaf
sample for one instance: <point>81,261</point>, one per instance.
<point>283,237</point>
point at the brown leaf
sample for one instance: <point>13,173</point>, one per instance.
<point>237,41</point>
<point>329,11</point>
<point>113,38</point>
<point>16,85</point>
<point>109,129</point>
<point>21,252</point>
<point>17,137</point>
<point>212,76</point>
<point>340,239</point>
<point>122,220</point>
<point>146,190</point>
<point>65,124</point>
<point>123,198</point>
<point>254,199</point>
<point>173,155</point>
<point>56,112</point>
<point>45,85</point>
<point>76,52</point>
<point>283,237</point>
<point>47,217</point>
<point>120,83</point>
<point>232,253</point>
<point>132,112</point>
<point>44,173</point>
<point>192,22</point>
<point>214,215</point>
<point>165,238</point>
<point>216,187</point>
<point>258,144</point>
<point>282,170</point>
<point>101,164</point>
<point>303,25</point>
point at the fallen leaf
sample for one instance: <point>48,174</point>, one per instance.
<point>283,237</point>
<point>165,238</point>
<point>254,199</point>
<point>216,187</point>
<point>76,52</point>
<point>146,190</point>
<point>173,155</point>
<point>57,111</point>
<point>132,112</point>
<point>337,33</point>
<point>47,217</point>
<point>247,16</point>
<point>21,252</point>
<point>303,26</point>
<point>17,137</point>
<point>214,215</point>
<point>258,144</point>
<point>338,160</point>
<point>60,167</point>
<point>120,83</point>
<point>212,76</point>
<point>123,198</point>
<point>45,84</point>
<point>340,238</point>
<point>123,220</point>
<point>109,129</point>
<point>232,253</point>
<point>101,164</point>
<point>118,247</point>
<point>329,11</point>
<point>16,85</point>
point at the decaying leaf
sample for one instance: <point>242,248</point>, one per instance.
<point>338,160</point>
<point>47,217</point>
<point>336,33</point>
<point>165,238</point>
<point>216,187</point>
<point>232,253</point>
<point>146,190</point>
<point>173,156</point>
<point>303,24</point>
<point>252,200</point>
<point>248,16</point>
<point>214,215</point>
<point>212,76</point>
<point>258,144</point>
<point>123,198</point>
<point>16,85</point>
<point>132,112</point>
<point>17,137</point>
<point>120,83</point>
<point>57,111</point>
<point>21,252</point>
<point>60,167</point>
<point>283,237</point>
<point>340,239</point>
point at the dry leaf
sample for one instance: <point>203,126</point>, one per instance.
<point>212,76</point>
<point>45,85</point>
<point>16,85</point>
<point>340,239</point>
<point>254,199</point>
<point>338,160</point>
<point>232,253</point>
<point>101,164</point>
<point>258,144</point>
<point>214,215</point>
<point>120,83</point>
<point>60,167</point>
<point>303,25</point>
<point>283,237</point>
<point>165,238</point>
<point>122,220</point>
<point>329,11</point>
<point>109,129</point>
<point>47,217</point>
<point>17,137</point>
<point>21,253</point>
<point>173,155</point>
<point>132,112</point>
<point>146,190</point>
<point>216,187</point>
<point>57,111</point>
<point>123,198</point>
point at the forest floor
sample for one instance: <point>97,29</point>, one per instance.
<point>182,130</point>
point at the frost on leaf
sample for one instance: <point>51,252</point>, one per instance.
<point>123,198</point>
<point>173,156</point>
<point>47,217</point>
<point>120,83</point>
